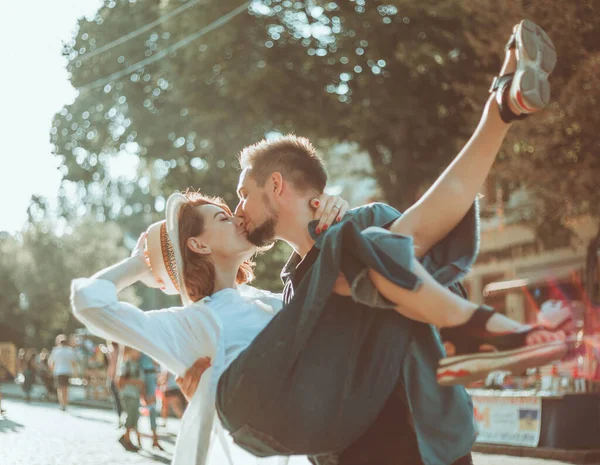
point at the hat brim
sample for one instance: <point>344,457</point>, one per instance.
<point>174,204</point>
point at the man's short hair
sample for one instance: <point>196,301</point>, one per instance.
<point>294,157</point>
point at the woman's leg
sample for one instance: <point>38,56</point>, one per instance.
<point>115,393</point>
<point>150,399</point>
<point>435,304</point>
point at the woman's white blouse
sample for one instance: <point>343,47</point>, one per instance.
<point>220,327</point>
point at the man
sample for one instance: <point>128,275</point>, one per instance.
<point>278,176</point>
<point>62,362</point>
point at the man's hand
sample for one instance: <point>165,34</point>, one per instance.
<point>341,286</point>
<point>189,383</point>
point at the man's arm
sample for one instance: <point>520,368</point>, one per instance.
<point>74,364</point>
<point>447,201</point>
<point>51,361</point>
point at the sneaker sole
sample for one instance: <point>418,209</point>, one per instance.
<point>536,59</point>
<point>465,369</point>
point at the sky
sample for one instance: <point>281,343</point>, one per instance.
<point>35,86</point>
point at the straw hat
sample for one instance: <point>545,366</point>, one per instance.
<point>163,253</point>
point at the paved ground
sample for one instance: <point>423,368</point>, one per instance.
<point>41,434</point>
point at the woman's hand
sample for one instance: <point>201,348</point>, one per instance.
<point>329,209</point>
<point>140,253</point>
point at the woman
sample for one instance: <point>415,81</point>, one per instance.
<point>220,317</point>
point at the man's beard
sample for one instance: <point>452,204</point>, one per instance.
<point>264,234</point>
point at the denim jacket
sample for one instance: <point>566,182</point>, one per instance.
<point>442,416</point>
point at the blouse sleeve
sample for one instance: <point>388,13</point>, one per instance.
<point>94,302</point>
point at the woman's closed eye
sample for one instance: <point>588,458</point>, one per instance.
<point>224,216</point>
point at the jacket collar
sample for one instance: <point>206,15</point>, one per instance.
<point>290,267</point>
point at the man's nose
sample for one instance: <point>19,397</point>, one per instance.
<point>238,210</point>
<point>239,222</point>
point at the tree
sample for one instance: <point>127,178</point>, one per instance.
<point>341,71</point>
<point>37,272</point>
<point>402,80</point>
<point>11,300</point>
<point>379,75</point>
<point>554,155</point>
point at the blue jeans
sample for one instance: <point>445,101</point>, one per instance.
<point>322,401</point>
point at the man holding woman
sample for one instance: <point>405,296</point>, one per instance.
<point>353,351</point>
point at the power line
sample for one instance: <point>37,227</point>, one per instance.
<point>163,53</point>
<point>137,32</point>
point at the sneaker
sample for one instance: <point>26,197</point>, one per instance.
<point>554,314</point>
<point>536,59</point>
<point>466,369</point>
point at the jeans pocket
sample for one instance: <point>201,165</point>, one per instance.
<point>258,443</point>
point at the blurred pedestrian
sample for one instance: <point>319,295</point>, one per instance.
<point>29,372</point>
<point>131,386</point>
<point>173,398</point>
<point>149,375</point>
<point>82,360</point>
<point>112,360</point>
<point>62,362</point>
<point>45,373</point>
<point>20,360</point>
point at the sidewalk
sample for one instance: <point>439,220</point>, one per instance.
<point>77,395</point>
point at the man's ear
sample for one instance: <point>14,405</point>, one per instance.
<point>276,184</point>
<point>194,244</point>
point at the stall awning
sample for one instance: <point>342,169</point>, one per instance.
<point>547,275</point>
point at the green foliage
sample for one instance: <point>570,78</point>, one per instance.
<point>403,80</point>
<point>554,155</point>
<point>37,272</point>
<point>269,265</point>
<point>378,75</point>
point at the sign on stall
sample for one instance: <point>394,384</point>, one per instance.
<point>8,361</point>
<point>508,420</point>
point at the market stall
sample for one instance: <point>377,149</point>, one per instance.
<point>536,418</point>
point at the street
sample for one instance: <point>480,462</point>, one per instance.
<point>40,434</point>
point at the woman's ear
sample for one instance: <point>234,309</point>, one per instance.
<point>194,244</point>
